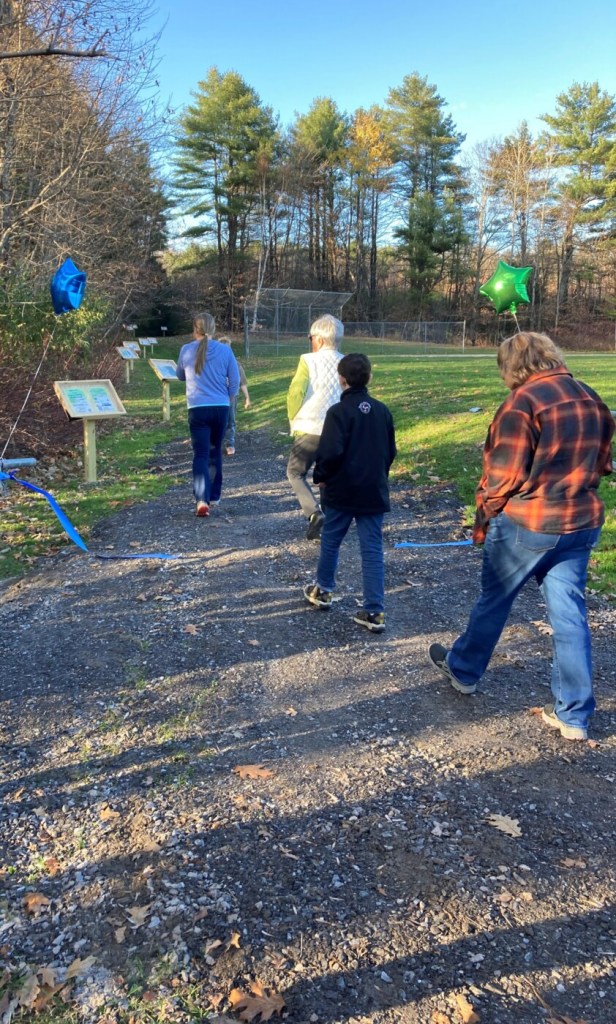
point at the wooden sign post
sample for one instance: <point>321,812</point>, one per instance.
<point>165,370</point>
<point>128,357</point>
<point>89,400</point>
<point>147,343</point>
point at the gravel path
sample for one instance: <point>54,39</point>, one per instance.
<point>361,875</point>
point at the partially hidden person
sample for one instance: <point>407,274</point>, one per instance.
<point>353,460</point>
<point>212,380</point>
<point>229,441</point>
<point>538,515</point>
<point>314,388</point>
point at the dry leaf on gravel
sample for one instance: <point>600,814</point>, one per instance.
<point>510,826</point>
<point>137,915</point>
<point>573,862</point>
<point>79,967</point>
<point>254,643</point>
<point>543,627</point>
<point>191,629</point>
<point>252,771</point>
<point>594,744</point>
<point>291,712</point>
<point>119,934</point>
<point>250,1006</point>
<point>466,1011</point>
<point>35,903</point>
<point>234,940</point>
<point>52,866</point>
<point>439,1018</point>
<point>107,814</point>
<point>536,711</point>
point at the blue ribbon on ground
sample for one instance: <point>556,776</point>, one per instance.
<point>437,544</point>
<point>68,527</point>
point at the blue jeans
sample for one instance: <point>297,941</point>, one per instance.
<point>370,533</point>
<point>558,562</point>
<point>230,432</point>
<point>207,425</point>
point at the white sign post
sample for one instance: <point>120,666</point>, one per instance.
<point>165,370</point>
<point>89,400</point>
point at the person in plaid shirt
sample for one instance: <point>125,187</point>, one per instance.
<point>538,514</point>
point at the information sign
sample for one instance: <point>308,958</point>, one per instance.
<point>94,399</point>
<point>165,369</point>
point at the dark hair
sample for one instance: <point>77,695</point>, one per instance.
<point>356,369</point>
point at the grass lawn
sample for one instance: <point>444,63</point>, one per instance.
<point>430,398</point>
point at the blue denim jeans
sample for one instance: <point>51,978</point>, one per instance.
<point>370,533</point>
<point>558,562</point>
<point>207,425</point>
<point>230,431</point>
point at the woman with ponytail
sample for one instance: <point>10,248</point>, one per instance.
<point>212,380</point>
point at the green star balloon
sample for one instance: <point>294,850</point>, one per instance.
<point>507,287</point>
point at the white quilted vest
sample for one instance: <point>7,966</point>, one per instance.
<point>323,391</point>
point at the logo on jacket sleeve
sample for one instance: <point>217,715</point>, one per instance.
<point>364,407</point>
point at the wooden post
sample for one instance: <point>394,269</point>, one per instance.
<point>89,450</point>
<point>166,401</point>
<point>128,365</point>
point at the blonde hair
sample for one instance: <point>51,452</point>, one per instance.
<point>329,328</point>
<point>204,326</point>
<point>524,354</point>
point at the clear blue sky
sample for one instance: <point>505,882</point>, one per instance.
<point>494,63</point>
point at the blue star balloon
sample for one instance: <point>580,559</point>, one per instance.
<point>68,285</point>
<point>507,287</point>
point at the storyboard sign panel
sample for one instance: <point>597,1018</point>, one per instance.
<point>165,369</point>
<point>89,399</point>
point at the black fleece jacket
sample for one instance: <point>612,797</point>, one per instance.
<point>355,453</point>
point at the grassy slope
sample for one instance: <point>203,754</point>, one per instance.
<point>430,398</point>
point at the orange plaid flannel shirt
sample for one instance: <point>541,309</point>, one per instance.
<point>547,448</point>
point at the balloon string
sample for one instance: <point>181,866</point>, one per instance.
<point>516,321</point>
<point>26,399</point>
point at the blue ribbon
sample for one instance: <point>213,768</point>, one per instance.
<point>440,544</point>
<point>66,524</point>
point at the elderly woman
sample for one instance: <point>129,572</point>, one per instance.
<point>539,514</point>
<point>212,380</point>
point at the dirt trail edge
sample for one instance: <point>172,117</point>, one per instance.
<point>373,870</point>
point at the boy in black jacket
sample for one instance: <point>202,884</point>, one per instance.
<point>353,459</point>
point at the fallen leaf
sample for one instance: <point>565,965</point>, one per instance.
<point>536,711</point>
<point>234,940</point>
<point>250,1006</point>
<point>210,946</point>
<point>252,771</point>
<point>199,917</point>
<point>504,897</point>
<point>439,1018</point>
<point>119,934</point>
<point>107,814</point>
<point>543,627</point>
<point>191,629</point>
<point>28,992</point>
<point>593,744</point>
<point>47,976</point>
<point>141,597</point>
<point>510,826</point>
<point>35,903</point>
<point>79,967</point>
<point>573,862</point>
<point>253,643</point>
<point>466,1011</point>
<point>137,915</point>
<point>149,997</point>
<point>291,712</point>
<point>52,866</point>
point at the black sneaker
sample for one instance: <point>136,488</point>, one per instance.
<point>568,732</point>
<point>319,598</point>
<point>438,656</point>
<point>374,621</point>
<point>315,525</point>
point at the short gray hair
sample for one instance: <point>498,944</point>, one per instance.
<point>329,328</point>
